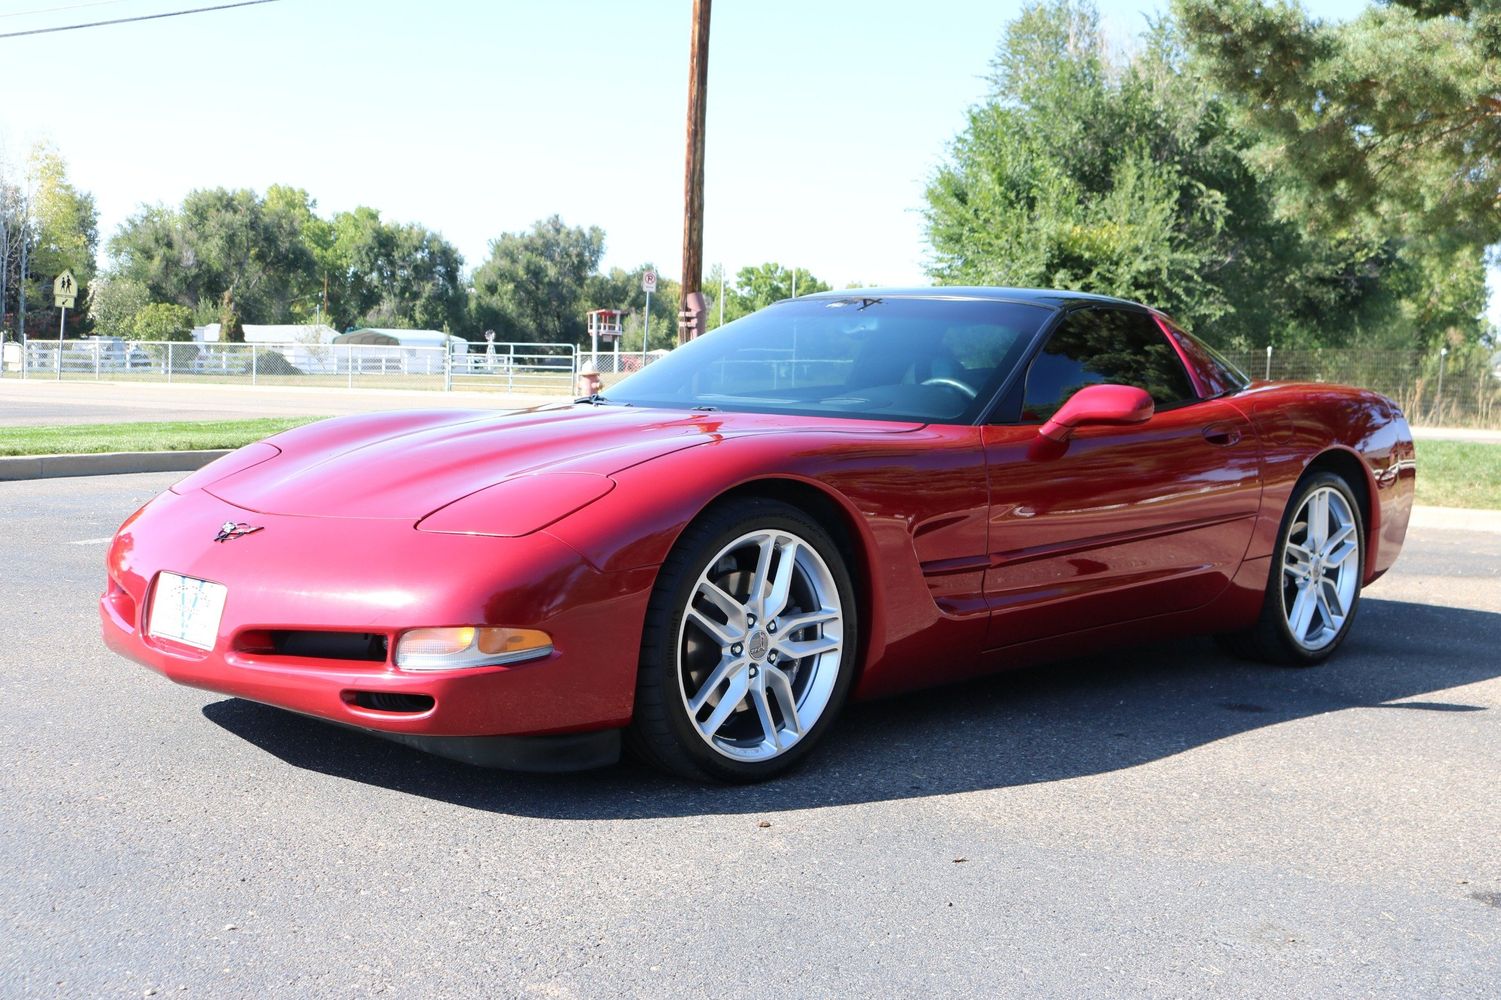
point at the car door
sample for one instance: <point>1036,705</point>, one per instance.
<point>1127,522</point>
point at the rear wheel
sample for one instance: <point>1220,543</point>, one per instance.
<point>1314,585</point>
<point>749,645</point>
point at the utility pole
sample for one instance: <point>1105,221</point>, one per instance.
<point>691,321</point>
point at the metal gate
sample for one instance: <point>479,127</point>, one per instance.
<point>527,367</point>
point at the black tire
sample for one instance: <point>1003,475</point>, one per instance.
<point>662,732</point>
<point>1271,639</point>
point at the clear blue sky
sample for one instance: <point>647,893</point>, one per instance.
<point>825,116</point>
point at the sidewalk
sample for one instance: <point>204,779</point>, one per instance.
<point>1477,434</point>
<point>1456,519</point>
<point>37,402</point>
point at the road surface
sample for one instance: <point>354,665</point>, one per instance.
<point>1157,822</point>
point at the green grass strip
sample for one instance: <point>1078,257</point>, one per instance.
<point>1459,474</point>
<point>172,435</point>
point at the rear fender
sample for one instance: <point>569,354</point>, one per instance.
<point>1340,428</point>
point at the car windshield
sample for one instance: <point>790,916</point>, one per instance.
<point>926,359</point>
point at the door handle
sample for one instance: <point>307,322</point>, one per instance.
<point>1222,434</point>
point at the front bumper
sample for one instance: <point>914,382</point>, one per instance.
<point>380,577</point>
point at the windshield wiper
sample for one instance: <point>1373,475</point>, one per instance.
<point>707,409</point>
<point>599,399</point>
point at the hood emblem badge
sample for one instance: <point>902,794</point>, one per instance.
<point>232,529</point>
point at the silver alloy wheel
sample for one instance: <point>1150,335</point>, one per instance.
<point>760,645</point>
<point>1320,570</point>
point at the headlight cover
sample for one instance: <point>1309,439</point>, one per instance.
<point>227,465</point>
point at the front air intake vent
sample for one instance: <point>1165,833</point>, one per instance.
<point>367,647</point>
<point>384,701</point>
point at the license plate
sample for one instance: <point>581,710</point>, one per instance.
<point>186,610</point>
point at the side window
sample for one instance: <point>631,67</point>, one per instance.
<point>1092,346</point>
<point>1216,375</point>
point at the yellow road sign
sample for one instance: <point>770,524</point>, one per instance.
<point>65,290</point>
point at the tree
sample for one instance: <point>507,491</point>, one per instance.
<point>222,245</point>
<point>60,226</point>
<point>713,283</point>
<point>758,287</point>
<point>621,289</point>
<point>231,327</point>
<point>383,274</point>
<point>1132,177</point>
<point>1010,214</point>
<point>162,321</point>
<point>1393,115</point>
<point>348,254</point>
<point>420,281</point>
<point>13,225</point>
<point>532,286</point>
<point>1383,130</point>
<point>243,257</point>
<point>114,304</point>
<point>614,289</point>
<point>292,287</point>
<point>1072,174</point>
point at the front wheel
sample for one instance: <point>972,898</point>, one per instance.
<point>1316,573</point>
<point>749,647</point>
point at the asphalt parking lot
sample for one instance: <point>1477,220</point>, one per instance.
<point>1161,822</point>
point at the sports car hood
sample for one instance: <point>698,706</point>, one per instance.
<point>407,464</point>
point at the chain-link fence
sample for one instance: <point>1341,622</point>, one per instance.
<point>1437,389</point>
<point>613,366</point>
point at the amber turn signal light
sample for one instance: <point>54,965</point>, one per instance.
<point>469,646</point>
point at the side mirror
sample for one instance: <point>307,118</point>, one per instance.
<point>1096,405</point>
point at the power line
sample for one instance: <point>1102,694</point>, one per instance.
<point>127,20</point>
<point>51,10</point>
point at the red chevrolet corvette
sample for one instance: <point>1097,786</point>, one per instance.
<point>851,493</point>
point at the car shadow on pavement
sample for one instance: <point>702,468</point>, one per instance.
<point>1048,723</point>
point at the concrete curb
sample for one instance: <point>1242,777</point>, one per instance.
<point>109,463</point>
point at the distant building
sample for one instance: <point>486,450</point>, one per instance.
<point>376,336</point>
<point>290,333</point>
<point>386,349</point>
<point>304,345</point>
<point>272,333</point>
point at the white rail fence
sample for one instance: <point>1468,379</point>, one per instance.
<point>536,368</point>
